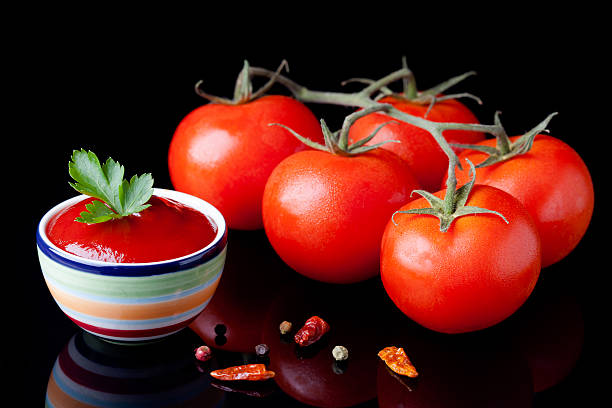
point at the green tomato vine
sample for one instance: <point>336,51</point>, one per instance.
<point>368,98</point>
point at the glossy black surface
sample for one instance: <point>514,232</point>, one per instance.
<point>123,96</point>
<point>541,347</point>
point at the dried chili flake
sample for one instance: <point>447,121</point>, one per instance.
<point>313,330</point>
<point>397,360</point>
<point>248,372</point>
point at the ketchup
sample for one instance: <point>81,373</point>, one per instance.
<point>165,230</point>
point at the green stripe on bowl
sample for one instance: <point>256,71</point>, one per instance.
<point>131,286</point>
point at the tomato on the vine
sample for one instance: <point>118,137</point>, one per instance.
<point>427,160</point>
<point>551,181</point>
<point>324,213</point>
<point>224,153</point>
<point>475,274</point>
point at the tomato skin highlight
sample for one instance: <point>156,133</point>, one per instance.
<point>427,160</point>
<point>324,214</point>
<point>225,153</point>
<point>552,182</point>
<point>164,231</point>
<point>469,278</point>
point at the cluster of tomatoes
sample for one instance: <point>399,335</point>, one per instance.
<point>332,216</point>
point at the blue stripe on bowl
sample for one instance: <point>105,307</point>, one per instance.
<point>127,269</point>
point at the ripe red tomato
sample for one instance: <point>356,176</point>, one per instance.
<point>470,277</point>
<point>225,153</point>
<point>324,214</point>
<point>552,182</point>
<point>427,160</point>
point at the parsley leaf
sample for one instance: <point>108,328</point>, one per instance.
<point>96,212</point>
<point>105,181</point>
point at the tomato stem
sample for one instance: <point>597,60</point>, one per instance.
<point>349,120</point>
<point>451,186</point>
<point>453,206</point>
<point>502,140</point>
<point>243,89</point>
<point>338,142</point>
<point>409,83</point>
<point>364,99</point>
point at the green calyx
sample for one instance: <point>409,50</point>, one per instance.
<point>505,149</point>
<point>410,92</point>
<point>338,142</point>
<point>243,89</point>
<point>453,206</point>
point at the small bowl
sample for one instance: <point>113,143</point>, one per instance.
<point>132,302</point>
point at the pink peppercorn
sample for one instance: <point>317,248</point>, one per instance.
<point>203,353</point>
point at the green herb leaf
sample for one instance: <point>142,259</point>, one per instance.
<point>96,212</point>
<point>106,183</point>
<point>136,193</point>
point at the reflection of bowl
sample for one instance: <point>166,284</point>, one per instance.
<point>90,372</point>
<point>134,301</point>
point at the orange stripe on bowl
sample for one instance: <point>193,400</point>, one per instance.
<point>58,398</point>
<point>132,312</point>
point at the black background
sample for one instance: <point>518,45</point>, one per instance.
<point>120,88</point>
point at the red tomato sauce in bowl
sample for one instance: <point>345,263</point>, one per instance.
<point>166,230</point>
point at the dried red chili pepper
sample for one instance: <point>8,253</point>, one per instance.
<point>397,360</point>
<point>248,372</point>
<point>313,330</point>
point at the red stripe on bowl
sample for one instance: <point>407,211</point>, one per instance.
<point>133,334</point>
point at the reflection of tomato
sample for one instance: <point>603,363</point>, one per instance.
<point>470,277</point>
<point>308,374</point>
<point>426,159</point>
<point>549,332</point>
<point>225,153</point>
<point>252,276</point>
<point>552,182</point>
<point>324,214</point>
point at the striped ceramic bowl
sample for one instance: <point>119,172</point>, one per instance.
<point>134,301</point>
